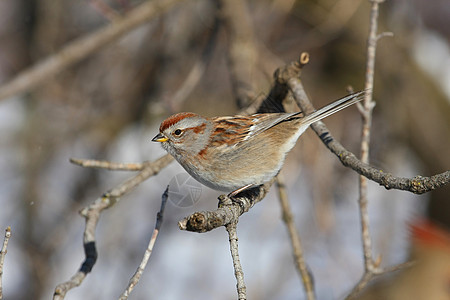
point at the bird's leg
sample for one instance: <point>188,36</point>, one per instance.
<point>235,192</point>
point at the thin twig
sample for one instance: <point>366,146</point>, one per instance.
<point>238,272</point>
<point>92,215</point>
<point>2,257</point>
<point>83,47</point>
<point>288,219</point>
<point>370,269</point>
<point>369,276</point>
<point>105,10</point>
<point>103,164</point>
<point>148,252</point>
<point>385,34</point>
<point>367,106</point>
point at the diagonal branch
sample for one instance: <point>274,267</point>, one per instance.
<point>288,218</point>
<point>369,276</point>
<point>92,216</point>
<point>104,164</point>
<point>137,275</point>
<point>83,47</point>
<point>287,78</point>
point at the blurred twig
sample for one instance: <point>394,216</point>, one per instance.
<point>137,276</point>
<point>83,47</point>
<point>2,256</point>
<point>332,21</point>
<point>105,10</point>
<point>288,219</point>
<point>242,50</point>
<point>103,164</point>
<point>92,215</point>
<point>196,73</point>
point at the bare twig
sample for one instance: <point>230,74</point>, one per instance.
<point>369,276</point>
<point>83,47</point>
<point>385,34</point>
<point>192,79</point>
<point>287,79</point>
<point>288,218</point>
<point>150,169</point>
<point>366,112</point>
<point>2,256</point>
<point>137,276</point>
<point>92,215</point>
<point>371,269</point>
<point>103,164</point>
<point>238,272</point>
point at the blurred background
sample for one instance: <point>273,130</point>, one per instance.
<point>109,106</point>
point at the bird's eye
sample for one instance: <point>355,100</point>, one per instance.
<point>177,132</point>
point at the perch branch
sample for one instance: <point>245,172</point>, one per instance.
<point>92,215</point>
<point>83,47</point>
<point>2,256</point>
<point>287,78</point>
<point>228,211</point>
<point>288,219</point>
<point>137,276</point>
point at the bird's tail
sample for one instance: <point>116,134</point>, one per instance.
<point>334,107</point>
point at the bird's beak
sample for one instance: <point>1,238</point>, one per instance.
<point>159,138</point>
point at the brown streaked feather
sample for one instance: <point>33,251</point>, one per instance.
<point>237,129</point>
<point>230,130</point>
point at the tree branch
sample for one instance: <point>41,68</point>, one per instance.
<point>366,108</point>
<point>83,47</point>
<point>288,219</point>
<point>103,164</point>
<point>287,77</point>
<point>366,112</point>
<point>137,276</point>
<point>368,276</point>
<point>228,211</point>
<point>92,215</point>
<point>238,272</point>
